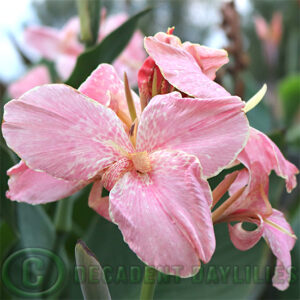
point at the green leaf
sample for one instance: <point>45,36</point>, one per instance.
<point>89,14</point>
<point>8,238</point>
<point>293,136</point>
<point>35,227</point>
<point>289,93</point>
<point>105,52</point>
<point>91,275</point>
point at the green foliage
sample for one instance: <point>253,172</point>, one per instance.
<point>8,238</point>
<point>91,275</point>
<point>105,52</point>
<point>289,93</point>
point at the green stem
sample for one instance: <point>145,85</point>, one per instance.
<point>63,215</point>
<point>89,16</point>
<point>149,284</point>
<point>63,225</point>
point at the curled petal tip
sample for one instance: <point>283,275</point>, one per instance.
<point>255,99</point>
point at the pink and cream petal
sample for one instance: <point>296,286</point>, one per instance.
<point>255,197</point>
<point>36,76</point>
<point>281,240</point>
<point>261,149</point>
<point>44,40</point>
<point>164,215</point>
<point>97,202</point>
<point>182,71</point>
<point>65,64</point>
<point>58,130</point>
<point>243,239</point>
<point>214,130</point>
<point>26,185</point>
<point>105,86</point>
<point>209,59</point>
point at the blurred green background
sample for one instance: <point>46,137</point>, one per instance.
<point>253,61</point>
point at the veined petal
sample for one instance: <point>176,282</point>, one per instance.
<point>36,76</point>
<point>261,149</point>
<point>255,197</point>
<point>214,130</point>
<point>164,215</point>
<point>60,131</point>
<point>105,86</point>
<point>281,244</point>
<point>26,185</point>
<point>45,40</point>
<point>209,59</point>
<point>181,69</point>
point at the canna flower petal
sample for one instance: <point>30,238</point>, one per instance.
<point>243,239</point>
<point>279,236</point>
<point>97,202</point>
<point>164,215</point>
<point>209,59</point>
<point>44,40</point>
<point>262,150</point>
<point>261,27</point>
<point>260,156</point>
<point>26,185</point>
<point>60,131</point>
<point>105,86</point>
<point>36,76</point>
<point>255,197</point>
<point>65,64</point>
<point>196,126</point>
<point>281,244</point>
<point>181,70</point>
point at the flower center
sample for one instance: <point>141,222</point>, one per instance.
<point>141,161</point>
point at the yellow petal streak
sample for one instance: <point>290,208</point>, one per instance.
<point>280,228</point>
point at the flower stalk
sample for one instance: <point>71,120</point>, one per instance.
<point>149,284</point>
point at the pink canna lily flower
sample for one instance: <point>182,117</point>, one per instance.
<point>28,185</point>
<point>155,171</point>
<point>38,75</point>
<point>270,35</point>
<point>63,47</point>
<point>251,204</point>
<point>186,67</point>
